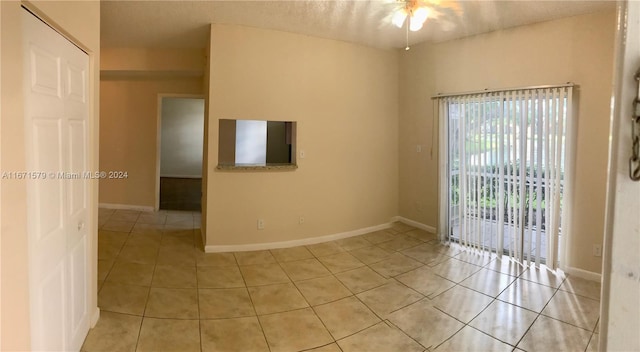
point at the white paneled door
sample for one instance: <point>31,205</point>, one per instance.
<point>56,127</point>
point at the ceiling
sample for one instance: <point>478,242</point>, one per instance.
<point>184,24</point>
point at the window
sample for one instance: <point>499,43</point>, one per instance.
<point>504,170</point>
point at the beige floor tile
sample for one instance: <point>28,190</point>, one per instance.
<point>119,226</point>
<point>400,242</point>
<point>174,276</point>
<point>582,287</point>
<point>573,309</point>
<point>489,282</point>
<point>506,266</point>
<point>425,324</point>
<point>130,214</point>
<point>104,235</point>
<point>351,243</point>
<point>324,249</point>
<point>346,316</point>
<point>176,255</point>
<point>294,331</point>
<point>450,249</point>
<point>327,348</point>
<point>370,255</point>
<point>119,298</point>
<point>109,249</point>
<point>593,343</point>
<point>395,265</point>
<point>263,274</point>
<point>361,279</point>
<point>527,294</point>
<point>461,303</point>
<point>113,332</point>
<point>322,290</point>
<point>400,227</point>
<point>291,254</point>
<point>504,321</point>
<point>547,334</point>
<point>254,257</point>
<point>147,229</point>
<point>169,335</point>
<point>305,269</point>
<point>131,273</point>
<point>455,270</point>
<point>379,236</point>
<point>543,276</point>
<point>178,216</point>
<point>425,281</point>
<point>215,259</point>
<point>340,262</point>
<point>276,298</point>
<point>421,235</point>
<point>233,335</point>
<point>426,253</point>
<point>174,303</point>
<point>467,337</point>
<point>179,225</point>
<point>105,212</point>
<point>152,218</point>
<point>225,303</point>
<point>144,239</point>
<point>390,297</point>
<point>219,277</point>
<point>181,240</point>
<point>104,266</point>
<point>380,337</point>
<point>480,258</point>
<point>138,254</point>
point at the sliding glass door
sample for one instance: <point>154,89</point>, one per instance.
<point>504,175</point>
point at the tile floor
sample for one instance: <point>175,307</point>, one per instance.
<point>391,290</point>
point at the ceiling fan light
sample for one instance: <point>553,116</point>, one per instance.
<point>420,15</point>
<point>415,25</point>
<point>399,17</point>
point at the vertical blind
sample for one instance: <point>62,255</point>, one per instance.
<point>504,165</point>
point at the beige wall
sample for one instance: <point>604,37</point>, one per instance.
<point>344,98</point>
<point>577,49</point>
<point>81,22</point>
<point>131,82</point>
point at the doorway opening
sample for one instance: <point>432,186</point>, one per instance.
<point>180,150</point>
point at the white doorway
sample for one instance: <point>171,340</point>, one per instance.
<point>56,88</point>
<point>180,152</point>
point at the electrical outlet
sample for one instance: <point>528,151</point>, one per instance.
<point>597,250</point>
<point>260,224</point>
<point>301,220</point>
<point>419,148</point>
<point>302,154</point>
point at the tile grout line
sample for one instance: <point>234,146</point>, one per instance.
<point>264,335</point>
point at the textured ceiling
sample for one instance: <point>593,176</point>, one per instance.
<point>184,24</point>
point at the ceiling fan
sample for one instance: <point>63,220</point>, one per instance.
<point>414,13</point>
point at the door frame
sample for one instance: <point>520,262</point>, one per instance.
<point>161,96</point>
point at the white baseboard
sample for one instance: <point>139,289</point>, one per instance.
<point>293,243</point>
<point>125,207</point>
<point>94,317</point>
<point>415,224</point>
<point>583,274</point>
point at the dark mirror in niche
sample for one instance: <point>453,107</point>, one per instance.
<point>256,143</point>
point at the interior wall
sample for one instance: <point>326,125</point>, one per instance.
<point>182,128</point>
<point>344,98</point>
<point>80,21</point>
<point>577,49</point>
<point>129,116</point>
